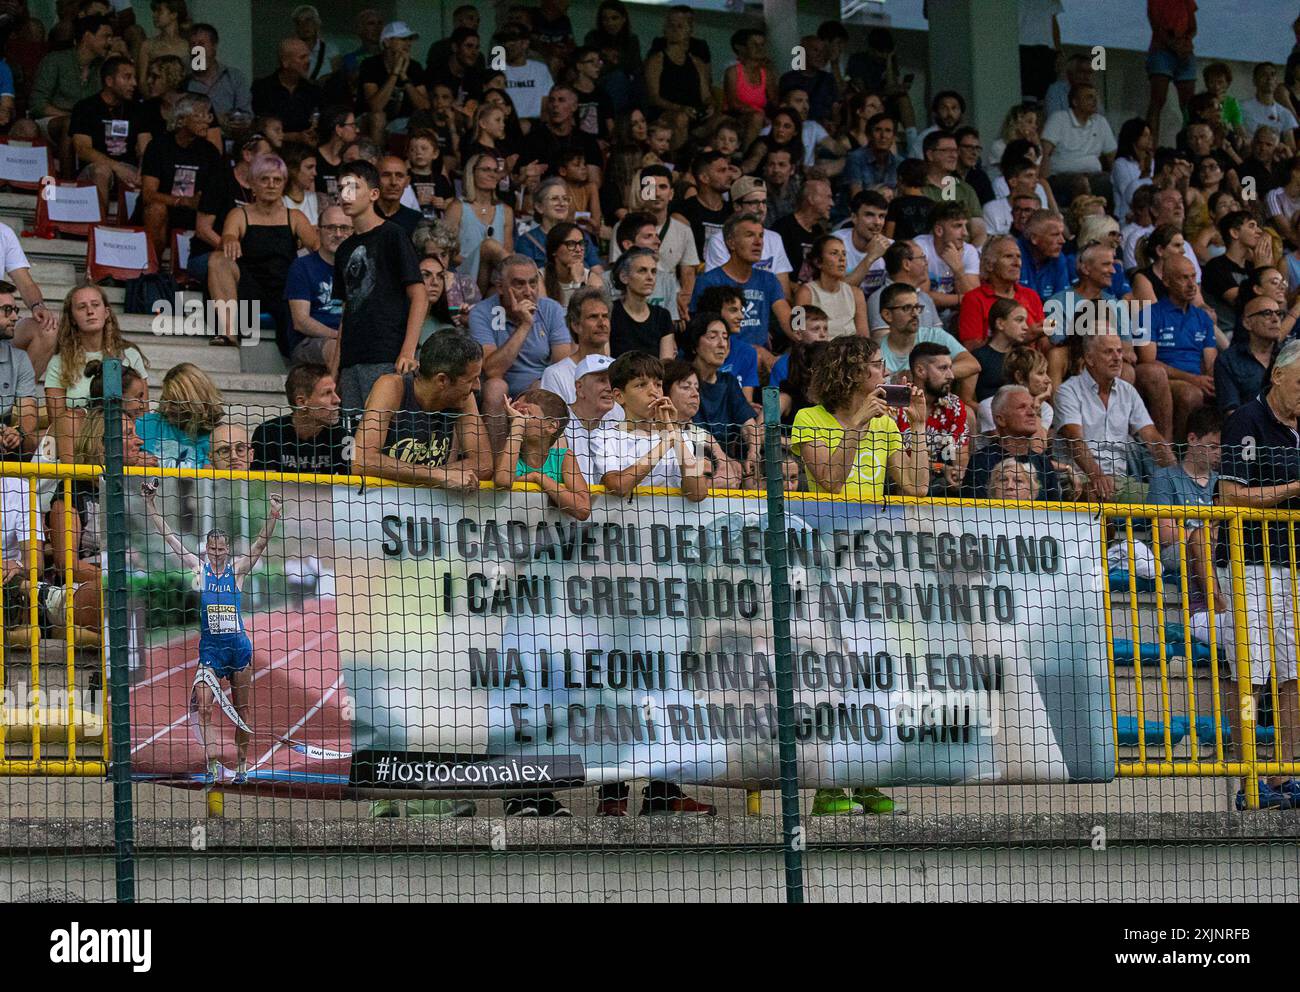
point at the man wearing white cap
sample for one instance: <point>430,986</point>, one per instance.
<point>392,83</point>
<point>593,411</point>
<point>324,56</point>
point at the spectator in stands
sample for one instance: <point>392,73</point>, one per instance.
<point>1246,246</point>
<point>875,163</point>
<point>1261,470</point>
<point>1007,329</point>
<point>339,129</point>
<point>289,93</point>
<point>588,319</point>
<point>910,209</point>
<point>224,85</point>
<point>1192,482</point>
<point>1000,268</point>
<point>19,397</point>
<point>708,210</point>
<point>300,189</point>
<point>864,244</point>
<point>1163,243</point>
<point>231,450</point>
<point>749,195</point>
<point>678,78</point>
<point>518,348</point>
<point>1240,370</point>
<point>424,427</point>
<point>1013,480</point>
<point>831,291</point>
<point>593,410</point>
<point>228,188</point>
<point>394,179</point>
<point>1097,412</point>
<point>947,108</point>
<point>1264,110</point>
<point>179,432</point>
<point>309,291</point>
<point>1017,433</point>
<point>554,205</point>
<point>905,262</point>
<point>942,184</point>
<point>177,166</point>
<point>323,57</point>
<point>647,448</point>
<point>533,453</point>
<point>20,547</point>
<point>88,331</point>
<point>969,169</point>
<point>1173,29</point>
<point>392,83</point>
<point>259,243</point>
<point>106,131</point>
<point>377,278</point>
<point>135,389</point>
<point>1184,337</point>
<point>1008,214</point>
<point>1022,367</point>
<point>368,27</point>
<point>682,386</point>
<point>950,423</point>
<point>485,224</point>
<point>65,78</point>
<point>678,257</point>
<point>1078,148</point>
<point>764,299</point>
<point>723,409</point>
<point>1045,268</point>
<point>901,311</point>
<point>807,224</point>
<point>528,81</point>
<point>565,270</point>
<point>171,18</point>
<point>954,265</point>
<point>457,62</point>
<point>638,324</point>
<point>792,372</point>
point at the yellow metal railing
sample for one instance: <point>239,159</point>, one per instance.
<point>1166,761</point>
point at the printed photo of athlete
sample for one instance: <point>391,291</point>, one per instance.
<point>225,652</point>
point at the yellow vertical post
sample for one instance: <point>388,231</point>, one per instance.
<point>1110,640</point>
<point>1295,625</point>
<point>1241,625</point>
<point>1186,613</point>
<point>216,803</point>
<point>69,642</point>
<point>36,627</point>
<point>1165,704</point>
<point>1272,641</point>
<point>1137,639</point>
<point>1211,609</point>
<point>753,802</point>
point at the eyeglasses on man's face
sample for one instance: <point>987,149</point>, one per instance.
<point>907,307</point>
<point>10,310</point>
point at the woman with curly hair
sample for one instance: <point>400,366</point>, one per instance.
<point>172,19</point>
<point>88,331</point>
<point>190,407</point>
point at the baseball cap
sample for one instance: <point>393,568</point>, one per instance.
<point>746,186</point>
<point>592,363</point>
<point>397,29</point>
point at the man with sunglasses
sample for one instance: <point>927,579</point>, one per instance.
<point>1241,368</point>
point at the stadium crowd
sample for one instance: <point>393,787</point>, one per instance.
<point>575,260</point>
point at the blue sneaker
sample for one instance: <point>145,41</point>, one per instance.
<point>1269,798</point>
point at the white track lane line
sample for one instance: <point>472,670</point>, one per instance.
<point>329,694</point>
<point>265,671</point>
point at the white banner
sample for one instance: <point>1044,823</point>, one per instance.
<point>23,164</point>
<point>121,249</point>
<point>73,204</point>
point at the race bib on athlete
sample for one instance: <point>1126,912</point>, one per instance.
<point>223,618</point>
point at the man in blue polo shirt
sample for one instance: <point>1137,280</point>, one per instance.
<point>1183,334</point>
<point>522,332</point>
<point>1044,266</point>
<point>1261,470</point>
<point>743,235</point>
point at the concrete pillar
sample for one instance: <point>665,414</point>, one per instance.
<point>974,49</point>
<point>781,18</point>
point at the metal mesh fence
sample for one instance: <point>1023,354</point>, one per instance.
<point>294,684</point>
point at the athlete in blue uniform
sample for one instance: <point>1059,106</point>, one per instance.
<point>224,648</point>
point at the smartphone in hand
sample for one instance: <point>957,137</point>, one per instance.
<point>897,395</point>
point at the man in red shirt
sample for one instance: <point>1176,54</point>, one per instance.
<point>950,421</point>
<point>999,277</point>
<point>1173,28</point>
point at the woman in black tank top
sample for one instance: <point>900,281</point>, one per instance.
<point>261,240</point>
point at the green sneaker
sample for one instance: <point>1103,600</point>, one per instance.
<point>440,809</point>
<point>384,807</point>
<point>873,801</point>
<point>833,802</point>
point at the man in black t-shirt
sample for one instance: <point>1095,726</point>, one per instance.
<point>392,84</point>
<point>377,277</point>
<point>311,439</point>
<point>107,130</point>
<point>1224,274</point>
<point>799,230</point>
<point>176,166</point>
<point>708,209</point>
<point>462,68</point>
<point>288,95</point>
<point>555,133</point>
